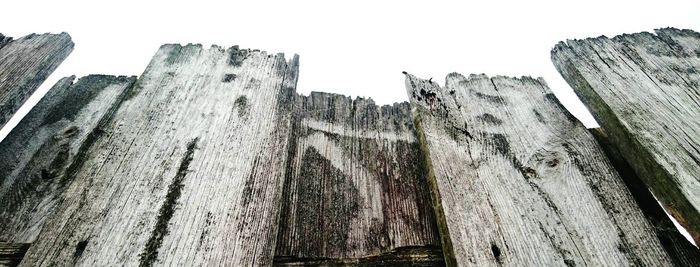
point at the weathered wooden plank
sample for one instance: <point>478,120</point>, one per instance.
<point>678,247</point>
<point>521,182</point>
<point>38,152</point>
<point>12,253</point>
<point>24,64</point>
<point>189,171</point>
<point>354,191</point>
<point>643,89</point>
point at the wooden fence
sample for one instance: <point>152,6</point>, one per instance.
<point>210,157</point>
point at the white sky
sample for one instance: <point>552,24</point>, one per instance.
<point>357,48</point>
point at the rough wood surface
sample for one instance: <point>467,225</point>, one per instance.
<point>39,151</point>
<point>405,256</point>
<point>12,253</point>
<point>644,90</point>
<point>189,171</point>
<point>522,182</point>
<point>24,64</point>
<point>354,190</point>
<point>678,247</point>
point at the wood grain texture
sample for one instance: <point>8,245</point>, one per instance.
<point>643,89</point>
<point>406,256</point>
<point>189,171</point>
<point>24,64</point>
<point>12,253</point>
<point>679,248</point>
<point>522,182</point>
<point>354,190</point>
<point>36,155</point>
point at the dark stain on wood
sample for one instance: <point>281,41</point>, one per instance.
<point>237,56</point>
<point>326,215</point>
<point>490,118</point>
<point>150,252</point>
<point>229,77</point>
<point>319,206</point>
<point>209,220</point>
<point>241,105</point>
<point>496,252</point>
<point>539,116</point>
<point>81,93</point>
<point>80,248</point>
<point>491,98</point>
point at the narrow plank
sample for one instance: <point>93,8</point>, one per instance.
<point>189,171</point>
<point>521,182</point>
<point>12,253</point>
<point>354,192</point>
<point>24,64</point>
<point>643,89</point>
<point>36,155</point>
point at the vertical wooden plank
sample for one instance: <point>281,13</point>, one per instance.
<point>354,191</point>
<point>189,170</point>
<point>643,89</point>
<point>36,155</point>
<point>522,182</point>
<point>24,64</point>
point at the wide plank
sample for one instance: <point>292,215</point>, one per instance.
<point>521,182</point>
<point>644,90</point>
<point>355,191</point>
<point>188,172</point>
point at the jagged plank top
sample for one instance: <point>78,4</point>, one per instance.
<point>24,64</point>
<point>521,182</point>
<point>188,171</point>
<point>644,90</point>
<point>354,191</point>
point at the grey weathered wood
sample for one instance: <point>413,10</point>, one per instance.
<point>678,247</point>
<point>188,172</point>
<point>521,182</point>
<point>643,89</point>
<point>12,253</point>
<point>24,64</point>
<point>355,191</point>
<point>406,256</point>
<point>36,155</point>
